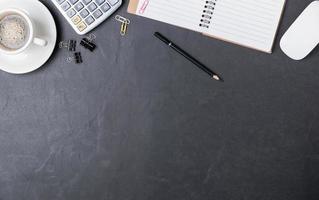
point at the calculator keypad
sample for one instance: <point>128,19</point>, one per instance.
<point>60,1</point>
<point>71,13</point>
<point>76,19</point>
<point>81,26</point>
<point>92,7</point>
<point>89,20</point>
<point>84,14</point>
<point>65,6</point>
<point>97,14</point>
<point>113,2</point>
<point>79,6</point>
<point>99,2</point>
<point>86,2</point>
<point>73,1</point>
<point>105,7</point>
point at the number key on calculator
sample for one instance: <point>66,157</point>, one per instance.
<point>85,15</point>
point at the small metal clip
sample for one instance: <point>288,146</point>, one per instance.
<point>77,58</point>
<point>91,37</point>
<point>124,24</point>
<point>69,44</point>
<point>87,44</point>
<point>122,19</point>
<point>123,29</point>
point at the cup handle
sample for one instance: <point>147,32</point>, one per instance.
<point>40,42</point>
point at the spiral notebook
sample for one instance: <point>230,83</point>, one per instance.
<point>249,23</point>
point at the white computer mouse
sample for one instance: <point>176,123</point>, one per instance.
<point>303,35</point>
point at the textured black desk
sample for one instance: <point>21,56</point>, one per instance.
<point>139,122</point>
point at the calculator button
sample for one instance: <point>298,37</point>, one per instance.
<point>86,2</point>
<point>92,7</point>
<point>113,2</point>
<point>99,2</point>
<point>84,13</point>
<point>81,26</point>
<point>97,13</point>
<point>60,1</point>
<point>105,7</point>
<point>65,6</point>
<point>89,20</point>
<point>73,1</point>
<point>71,13</point>
<point>79,6</point>
<point>76,19</point>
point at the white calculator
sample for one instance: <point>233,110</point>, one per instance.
<point>85,15</point>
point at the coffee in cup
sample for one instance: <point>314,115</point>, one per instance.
<point>16,32</point>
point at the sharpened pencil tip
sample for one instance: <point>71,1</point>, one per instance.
<point>217,78</point>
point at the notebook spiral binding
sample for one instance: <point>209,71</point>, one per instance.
<point>208,12</point>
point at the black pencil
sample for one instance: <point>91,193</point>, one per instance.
<point>188,56</point>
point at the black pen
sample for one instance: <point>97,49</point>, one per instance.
<point>187,56</point>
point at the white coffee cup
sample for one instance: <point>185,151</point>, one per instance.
<point>32,39</point>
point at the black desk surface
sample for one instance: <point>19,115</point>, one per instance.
<point>136,121</point>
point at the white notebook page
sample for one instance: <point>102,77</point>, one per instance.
<point>182,13</point>
<point>251,23</point>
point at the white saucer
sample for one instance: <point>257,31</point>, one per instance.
<point>35,56</point>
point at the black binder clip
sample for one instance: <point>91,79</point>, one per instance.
<point>69,44</point>
<point>77,58</point>
<point>88,42</point>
